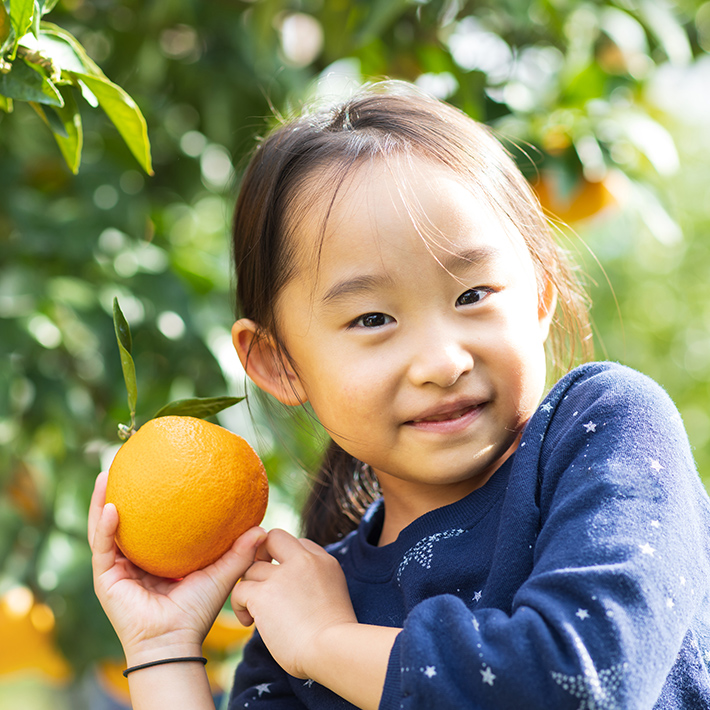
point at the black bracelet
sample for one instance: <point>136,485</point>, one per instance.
<point>183,659</point>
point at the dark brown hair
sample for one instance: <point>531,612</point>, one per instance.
<point>381,121</point>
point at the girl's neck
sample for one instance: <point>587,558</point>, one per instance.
<point>406,501</point>
<point>403,505</point>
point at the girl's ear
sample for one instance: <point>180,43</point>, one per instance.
<point>265,363</point>
<point>547,302</point>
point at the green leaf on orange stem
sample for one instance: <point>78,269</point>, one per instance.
<point>200,407</point>
<point>123,337</point>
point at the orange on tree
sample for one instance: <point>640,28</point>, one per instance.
<point>185,490</point>
<point>585,200</point>
<point>28,645</point>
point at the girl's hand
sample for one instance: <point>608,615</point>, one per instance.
<point>295,602</point>
<point>156,617</point>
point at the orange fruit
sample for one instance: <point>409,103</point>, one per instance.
<point>185,490</point>
<point>586,200</point>
<point>28,643</point>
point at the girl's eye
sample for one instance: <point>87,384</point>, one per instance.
<point>473,295</point>
<point>372,320</point>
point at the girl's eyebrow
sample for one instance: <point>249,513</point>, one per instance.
<point>355,285</point>
<point>475,256</point>
<point>452,262</point>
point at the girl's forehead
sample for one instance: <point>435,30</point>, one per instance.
<point>403,203</point>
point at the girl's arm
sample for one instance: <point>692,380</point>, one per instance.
<point>347,654</point>
<point>157,618</point>
<point>303,611</point>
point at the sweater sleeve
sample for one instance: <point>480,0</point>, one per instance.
<point>259,678</point>
<point>618,579</point>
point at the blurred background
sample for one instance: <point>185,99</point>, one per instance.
<point>604,104</point>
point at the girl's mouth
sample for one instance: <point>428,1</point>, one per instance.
<point>451,420</point>
<point>447,416</point>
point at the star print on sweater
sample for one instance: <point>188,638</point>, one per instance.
<point>596,691</point>
<point>488,676</point>
<point>577,577</point>
<point>262,688</point>
<point>423,551</point>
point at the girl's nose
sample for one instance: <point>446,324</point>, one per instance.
<point>441,365</point>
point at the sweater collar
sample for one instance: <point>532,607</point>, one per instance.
<point>381,562</point>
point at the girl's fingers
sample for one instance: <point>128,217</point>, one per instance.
<point>259,571</point>
<point>313,547</point>
<point>262,555</point>
<point>104,544</point>
<point>237,560</point>
<point>281,545</point>
<point>98,498</point>
<point>239,603</point>
<point>244,618</point>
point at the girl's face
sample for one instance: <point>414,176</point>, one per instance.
<point>422,356</point>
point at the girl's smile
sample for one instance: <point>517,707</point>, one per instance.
<point>415,329</point>
<point>447,419</point>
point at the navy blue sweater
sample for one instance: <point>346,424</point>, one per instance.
<point>577,577</point>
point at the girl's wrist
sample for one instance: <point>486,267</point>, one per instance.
<point>345,653</point>
<point>160,649</point>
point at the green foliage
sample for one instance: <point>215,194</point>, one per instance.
<point>45,65</point>
<point>569,85</point>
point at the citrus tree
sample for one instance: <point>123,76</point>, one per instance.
<point>45,65</point>
<point>575,88</point>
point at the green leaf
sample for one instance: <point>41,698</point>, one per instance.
<point>65,124</point>
<point>123,337</point>
<point>71,144</point>
<point>124,114</point>
<point>87,94</point>
<point>21,13</point>
<point>200,407</point>
<point>25,84</point>
<point>37,15</point>
<point>46,6</point>
<point>123,330</point>
<point>66,50</point>
<point>6,104</point>
<point>50,118</point>
<point>67,53</point>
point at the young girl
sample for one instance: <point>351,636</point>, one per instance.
<point>485,550</point>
